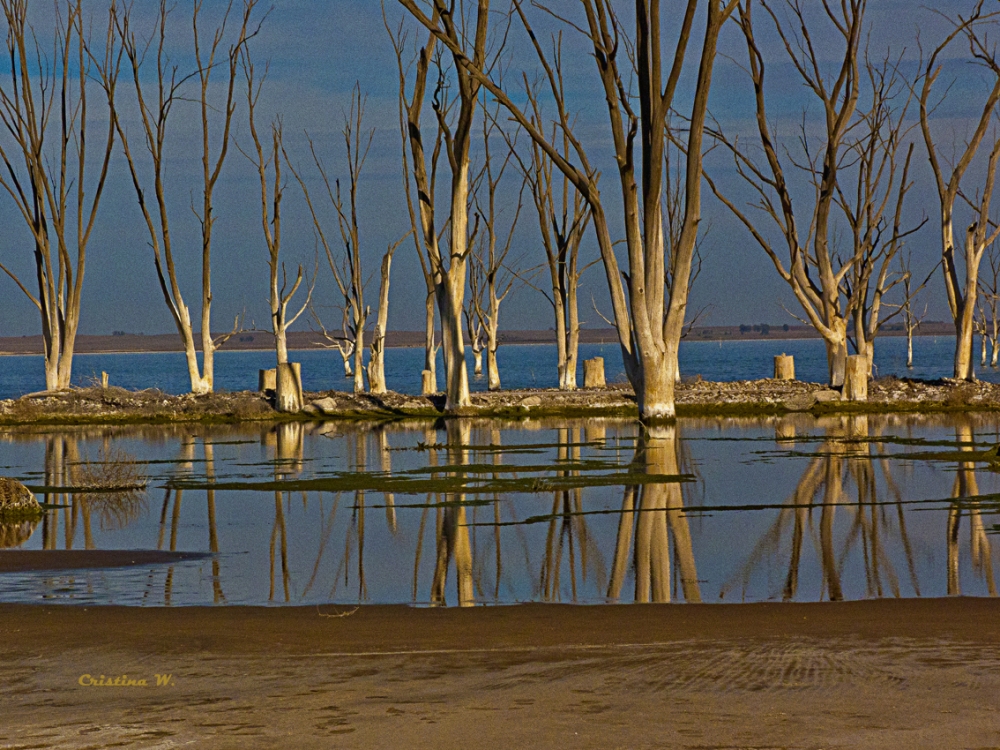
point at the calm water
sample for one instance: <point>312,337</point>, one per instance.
<point>792,508</point>
<point>520,366</point>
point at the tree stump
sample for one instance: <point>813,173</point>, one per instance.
<point>104,380</point>
<point>288,390</point>
<point>427,384</point>
<point>593,373</point>
<point>267,380</point>
<point>784,367</point>
<point>856,378</point>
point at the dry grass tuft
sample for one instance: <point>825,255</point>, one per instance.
<point>117,487</point>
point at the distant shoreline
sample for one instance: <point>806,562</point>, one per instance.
<point>163,343</point>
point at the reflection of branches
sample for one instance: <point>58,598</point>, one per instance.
<point>452,529</point>
<point>966,486</point>
<point>567,528</point>
<point>846,453</point>
<point>279,529</point>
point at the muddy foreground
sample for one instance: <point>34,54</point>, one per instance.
<point>874,674</point>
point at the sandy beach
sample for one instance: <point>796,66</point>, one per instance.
<point>875,674</point>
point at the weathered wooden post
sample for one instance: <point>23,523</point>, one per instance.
<point>267,380</point>
<point>593,373</point>
<point>427,383</point>
<point>784,367</point>
<point>288,390</point>
<point>856,378</point>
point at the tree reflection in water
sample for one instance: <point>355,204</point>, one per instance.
<point>965,491</point>
<point>547,510</point>
<point>649,511</point>
<point>852,456</point>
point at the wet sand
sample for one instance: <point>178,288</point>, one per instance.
<point>15,561</point>
<point>876,674</point>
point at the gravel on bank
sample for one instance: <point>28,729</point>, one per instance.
<point>695,397</point>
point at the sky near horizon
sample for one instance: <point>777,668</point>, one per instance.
<point>317,51</point>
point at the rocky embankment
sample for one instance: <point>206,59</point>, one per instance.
<point>696,397</point>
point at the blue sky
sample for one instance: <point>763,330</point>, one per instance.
<point>317,51</point>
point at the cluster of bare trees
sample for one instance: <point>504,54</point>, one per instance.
<point>828,200</point>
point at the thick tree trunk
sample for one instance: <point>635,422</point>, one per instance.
<point>909,347</point>
<point>450,296</point>
<point>288,388</point>
<point>376,362</point>
<point>964,333</point>
<point>654,387</point>
<point>68,347</point>
<point>492,369</point>
<point>836,353</point>
<point>477,361</point>
<point>359,360</point>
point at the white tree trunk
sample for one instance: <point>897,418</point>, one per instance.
<point>376,362</point>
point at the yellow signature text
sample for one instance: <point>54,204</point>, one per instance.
<point>124,680</point>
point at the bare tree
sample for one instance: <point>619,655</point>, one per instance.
<point>348,271</point>
<point>881,183</point>
<point>45,102</point>
<point>465,36</point>
<point>563,216</point>
<point>424,232</point>
<point>272,190</point>
<point>814,272</point>
<point>474,318</point>
<point>948,179</point>
<point>154,103</point>
<point>489,255</point>
<point>376,361</point>
<point>650,321</point>
<point>987,300</point>
<point>911,321</point>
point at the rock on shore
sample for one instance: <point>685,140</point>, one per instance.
<point>16,499</point>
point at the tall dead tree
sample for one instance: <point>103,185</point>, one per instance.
<point>988,299</point>
<point>376,360</point>
<point>814,270</point>
<point>489,255</point>
<point>465,36</point>
<point>650,321</point>
<point>563,215</point>
<point>347,270</point>
<point>159,84</point>
<point>272,190</point>
<point>960,266</point>
<point>46,124</point>
<point>474,318</point>
<point>424,176</point>
<point>872,205</point>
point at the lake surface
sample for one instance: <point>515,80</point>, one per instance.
<point>523,366</point>
<point>479,512</point>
